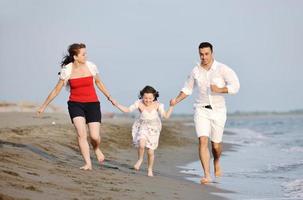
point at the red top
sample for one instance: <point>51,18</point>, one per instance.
<point>82,90</point>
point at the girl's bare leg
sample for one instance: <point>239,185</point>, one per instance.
<point>141,149</point>
<point>151,157</point>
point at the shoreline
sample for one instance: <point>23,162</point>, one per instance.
<point>36,154</point>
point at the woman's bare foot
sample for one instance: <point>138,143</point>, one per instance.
<point>205,180</point>
<point>150,173</point>
<point>100,156</point>
<point>86,167</point>
<point>138,164</point>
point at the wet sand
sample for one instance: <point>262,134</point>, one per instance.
<point>40,159</point>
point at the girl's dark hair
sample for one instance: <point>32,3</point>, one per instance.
<point>149,89</point>
<point>73,50</point>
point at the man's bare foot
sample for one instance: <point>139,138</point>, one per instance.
<point>217,168</point>
<point>150,173</point>
<point>86,167</point>
<point>100,156</point>
<point>138,164</point>
<point>205,180</point>
<point>218,173</point>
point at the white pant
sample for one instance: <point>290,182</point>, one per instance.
<point>210,123</point>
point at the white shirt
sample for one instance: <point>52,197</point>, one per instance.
<point>219,74</point>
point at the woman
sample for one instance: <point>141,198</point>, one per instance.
<point>83,105</point>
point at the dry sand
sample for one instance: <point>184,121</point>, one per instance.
<point>40,159</point>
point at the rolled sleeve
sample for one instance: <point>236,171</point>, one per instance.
<point>189,85</point>
<point>232,89</point>
<point>232,81</point>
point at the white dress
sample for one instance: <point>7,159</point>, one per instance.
<point>147,126</point>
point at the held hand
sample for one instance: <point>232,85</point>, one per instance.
<point>215,89</point>
<point>113,101</point>
<point>172,102</point>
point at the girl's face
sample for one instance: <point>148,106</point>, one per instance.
<point>148,98</point>
<point>81,57</point>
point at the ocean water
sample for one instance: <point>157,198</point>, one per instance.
<point>267,163</point>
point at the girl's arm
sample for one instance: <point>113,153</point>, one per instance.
<point>51,96</point>
<point>165,114</point>
<point>103,89</point>
<point>168,112</point>
<point>131,108</point>
<point>122,108</point>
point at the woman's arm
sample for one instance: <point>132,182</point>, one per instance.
<point>103,89</point>
<point>51,96</point>
<point>123,108</point>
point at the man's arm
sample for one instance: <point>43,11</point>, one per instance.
<point>216,89</point>
<point>178,99</point>
<point>186,90</point>
<point>232,82</point>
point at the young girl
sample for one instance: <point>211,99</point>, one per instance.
<point>146,129</point>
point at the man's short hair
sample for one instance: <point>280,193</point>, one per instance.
<point>205,45</point>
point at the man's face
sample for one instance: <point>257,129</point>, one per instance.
<point>206,56</point>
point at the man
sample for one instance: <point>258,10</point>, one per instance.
<point>213,80</point>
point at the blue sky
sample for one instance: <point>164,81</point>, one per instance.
<point>138,42</point>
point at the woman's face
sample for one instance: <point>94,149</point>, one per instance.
<point>81,57</point>
<point>148,98</point>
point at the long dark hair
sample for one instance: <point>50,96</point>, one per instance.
<point>73,50</point>
<point>149,89</point>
